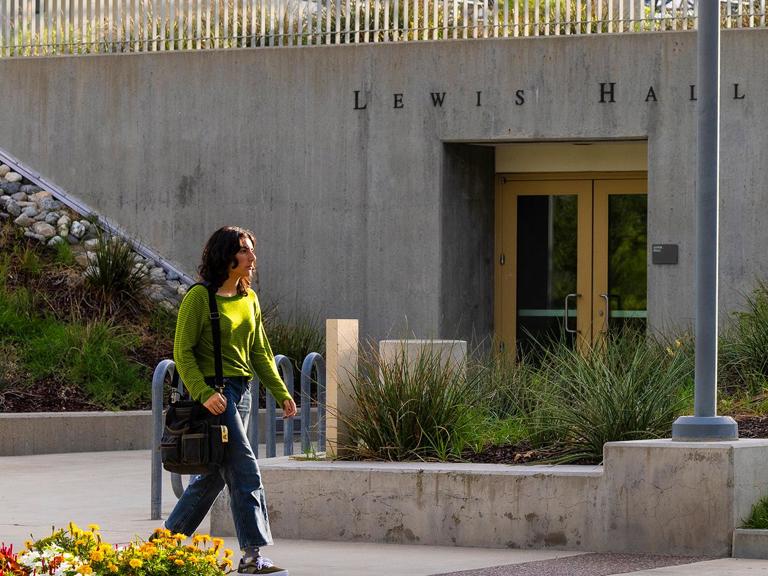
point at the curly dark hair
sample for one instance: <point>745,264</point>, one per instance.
<point>219,257</point>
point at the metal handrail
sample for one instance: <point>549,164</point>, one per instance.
<point>163,369</point>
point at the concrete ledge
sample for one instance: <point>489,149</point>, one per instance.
<point>27,433</point>
<point>424,503</point>
<point>657,496</point>
<point>750,544</point>
<point>23,434</point>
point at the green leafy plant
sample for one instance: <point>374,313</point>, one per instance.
<point>114,276</point>
<point>744,346</point>
<point>410,409</point>
<point>64,254</point>
<point>758,517</point>
<point>628,388</point>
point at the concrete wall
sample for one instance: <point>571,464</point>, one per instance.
<point>359,212</point>
<point>649,496</point>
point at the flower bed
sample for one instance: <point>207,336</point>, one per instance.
<point>78,552</point>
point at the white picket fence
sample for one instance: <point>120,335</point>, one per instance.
<point>46,27</point>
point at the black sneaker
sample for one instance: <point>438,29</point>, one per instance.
<point>259,565</point>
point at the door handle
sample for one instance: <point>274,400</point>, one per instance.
<point>565,313</point>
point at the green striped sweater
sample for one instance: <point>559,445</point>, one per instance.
<point>244,345</point>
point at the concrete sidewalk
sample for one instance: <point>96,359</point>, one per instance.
<point>112,489</point>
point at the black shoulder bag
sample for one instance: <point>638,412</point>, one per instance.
<point>194,440</point>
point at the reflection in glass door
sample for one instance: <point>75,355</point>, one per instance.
<point>546,268</point>
<point>620,262</point>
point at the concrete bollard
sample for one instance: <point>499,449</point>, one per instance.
<point>341,349</point>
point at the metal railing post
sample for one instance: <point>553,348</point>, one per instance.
<point>316,361</point>
<point>285,367</point>
<point>164,368</point>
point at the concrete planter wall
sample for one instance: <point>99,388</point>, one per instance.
<point>23,434</point>
<point>750,544</point>
<point>58,432</point>
<point>657,497</point>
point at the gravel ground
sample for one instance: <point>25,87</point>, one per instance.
<point>583,565</point>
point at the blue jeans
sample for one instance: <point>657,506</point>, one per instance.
<point>240,473</point>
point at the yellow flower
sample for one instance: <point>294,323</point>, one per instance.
<point>112,568</point>
<point>135,563</point>
<point>80,542</point>
<point>97,555</point>
<point>85,569</point>
<point>211,559</point>
<point>94,527</point>
<point>227,563</point>
<point>28,544</point>
<point>197,538</point>
<point>180,537</point>
<point>178,562</point>
<point>218,543</point>
<point>228,552</point>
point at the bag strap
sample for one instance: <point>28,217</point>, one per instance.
<point>213,310</point>
<point>213,314</point>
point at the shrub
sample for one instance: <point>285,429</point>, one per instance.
<point>629,388</point>
<point>114,276</point>
<point>743,357</point>
<point>410,410</point>
<point>295,336</point>
<point>758,517</point>
<point>506,386</point>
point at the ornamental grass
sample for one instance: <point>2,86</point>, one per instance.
<point>78,552</point>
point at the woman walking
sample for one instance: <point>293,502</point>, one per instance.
<point>227,265</point>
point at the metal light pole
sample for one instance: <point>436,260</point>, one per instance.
<point>705,424</point>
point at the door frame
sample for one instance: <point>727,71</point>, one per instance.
<point>505,250</point>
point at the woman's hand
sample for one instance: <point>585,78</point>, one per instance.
<point>216,404</point>
<point>289,408</point>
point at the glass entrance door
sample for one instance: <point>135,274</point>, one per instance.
<point>620,255</point>
<point>571,259</point>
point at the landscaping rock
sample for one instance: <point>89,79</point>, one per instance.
<point>10,188</point>
<point>48,220</point>
<point>157,275</point>
<point>91,244</point>
<point>13,208</point>
<point>77,230</point>
<point>44,229</point>
<point>32,189</point>
<point>24,220</point>
<point>30,234</point>
<point>50,204</point>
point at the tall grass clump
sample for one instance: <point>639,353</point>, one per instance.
<point>417,408</point>
<point>744,346</point>
<point>115,278</point>
<point>758,517</point>
<point>627,388</point>
<point>294,336</point>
